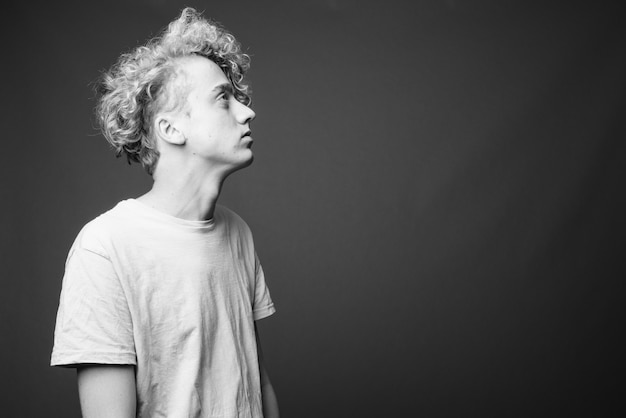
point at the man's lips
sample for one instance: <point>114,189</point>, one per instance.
<point>248,138</point>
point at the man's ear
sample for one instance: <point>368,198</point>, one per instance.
<point>168,132</point>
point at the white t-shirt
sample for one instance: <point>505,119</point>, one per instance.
<point>177,299</point>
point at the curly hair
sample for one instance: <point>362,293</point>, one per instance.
<point>136,87</point>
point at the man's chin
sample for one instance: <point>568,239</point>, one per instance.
<point>249,161</point>
<point>243,164</point>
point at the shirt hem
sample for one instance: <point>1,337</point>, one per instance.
<point>73,359</point>
<point>264,312</point>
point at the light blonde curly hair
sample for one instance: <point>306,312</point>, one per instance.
<point>136,87</point>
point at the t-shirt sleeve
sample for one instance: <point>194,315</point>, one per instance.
<point>263,305</point>
<point>93,321</point>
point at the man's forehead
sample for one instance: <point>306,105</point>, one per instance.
<point>203,71</point>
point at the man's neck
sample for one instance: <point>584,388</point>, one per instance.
<point>184,196</point>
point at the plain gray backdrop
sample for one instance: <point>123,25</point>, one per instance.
<point>437,197</point>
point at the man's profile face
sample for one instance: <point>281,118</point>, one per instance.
<point>216,126</point>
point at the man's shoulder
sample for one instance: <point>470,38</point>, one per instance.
<point>108,218</point>
<point>100,229</point>
<point>227,213</point>
<point>229,216</point>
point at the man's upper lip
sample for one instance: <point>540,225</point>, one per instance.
<point>247,133</point>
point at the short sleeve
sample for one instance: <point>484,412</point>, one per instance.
<point>263,305</point>
<point>93,320</point>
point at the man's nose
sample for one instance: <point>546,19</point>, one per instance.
<point>246,114</point>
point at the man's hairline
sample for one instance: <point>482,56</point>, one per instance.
<point>182,91</point>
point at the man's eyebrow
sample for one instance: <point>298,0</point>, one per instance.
<point>224,87</point>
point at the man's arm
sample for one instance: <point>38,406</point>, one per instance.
<point>270,403</point>
<point>107,391</point>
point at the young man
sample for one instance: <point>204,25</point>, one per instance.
<point>161,293</point>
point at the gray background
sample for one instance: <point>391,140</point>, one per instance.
<point>437,197</point>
